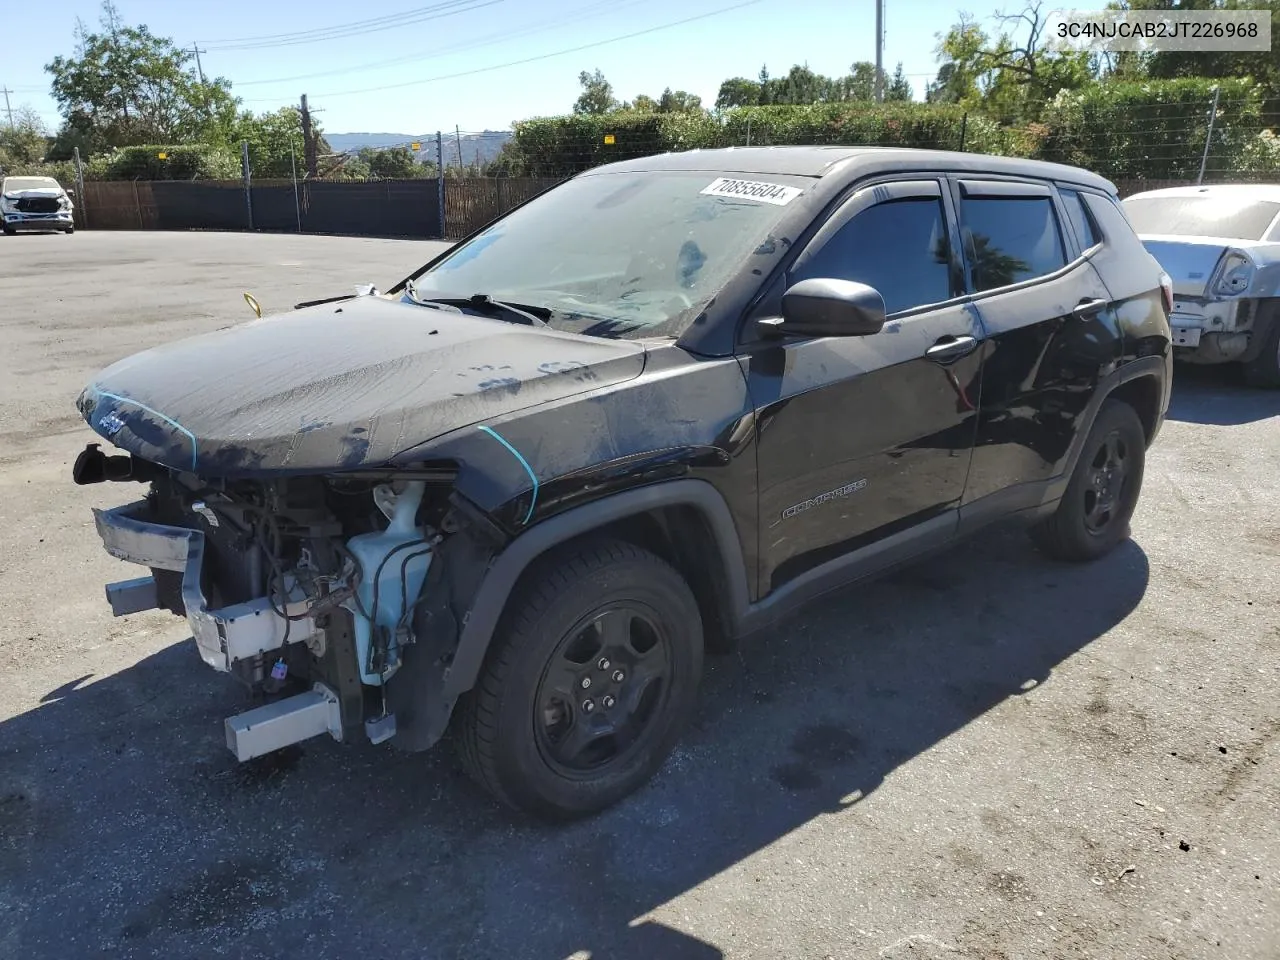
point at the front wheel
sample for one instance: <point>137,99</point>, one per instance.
<point>588,684</point>
<point>1093,515</point>
<point>1264,369</point>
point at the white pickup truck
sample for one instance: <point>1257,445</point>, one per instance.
<point>1221,246</point>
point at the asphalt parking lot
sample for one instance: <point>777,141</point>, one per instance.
<point>987,756</point>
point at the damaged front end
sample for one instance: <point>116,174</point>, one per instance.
<point>313,591</point>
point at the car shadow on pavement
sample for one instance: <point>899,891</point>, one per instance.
<point>1217,395</point>
<point>126,829</point>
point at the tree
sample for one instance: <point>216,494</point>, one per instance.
<point>678,102</point>
<point>271,137</point>
<point>962,64</point>
<point>24,142</point>
<point>125,85</point>
<point>392,163</point>
<point>738,92</point>
<point>860,84</point>
<point>597,94</point>
<point>1262,66</point>
<point>1012,75</point>
<point>642,104</point>
<point>803,86</point>
<point>899,87</point>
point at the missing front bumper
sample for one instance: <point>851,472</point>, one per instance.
<point>238,632</point>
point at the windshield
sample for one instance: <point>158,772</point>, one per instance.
<point>621,255</point>
<point>1207,216</point>
<point>14,184</point>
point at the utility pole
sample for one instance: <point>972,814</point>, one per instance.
<point>440,179</point>
<point>199,68</point>
<point>1208,137</point>
<point>457,132</point>
<point>8,109</point>
<point>879,94</point>
<point>308,141</point>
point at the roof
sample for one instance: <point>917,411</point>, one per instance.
<point>1224,191</point>
<point>852,162</point>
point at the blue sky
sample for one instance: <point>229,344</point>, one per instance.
<point>419,62</point>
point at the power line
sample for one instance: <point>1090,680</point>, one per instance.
<point>338,26</point>
<point>607,6</point>
<point>447,8</point>
<point>545,56</point>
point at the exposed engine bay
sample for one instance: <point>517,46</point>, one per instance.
<point>313,591</point>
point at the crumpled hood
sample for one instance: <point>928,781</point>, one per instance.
<point>337,386</point>
<point>35,192</point>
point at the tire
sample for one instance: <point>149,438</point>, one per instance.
<point>1264,369</point>
<point>9,231</point>
<point>519,738</point>
<point>1082,528</point>
<point>69,230</point>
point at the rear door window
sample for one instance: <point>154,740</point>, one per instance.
<point>1011,239</point>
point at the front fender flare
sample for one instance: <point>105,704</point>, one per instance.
<point>478,626</point>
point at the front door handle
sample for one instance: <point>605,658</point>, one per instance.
<point>950,349</point>
<point>1085,309</point>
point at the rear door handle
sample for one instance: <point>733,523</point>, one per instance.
<point>949,349</point>
<point>1087,308</point>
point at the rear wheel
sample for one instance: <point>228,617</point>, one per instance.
<point>1093,515</point>
<point>70,230</point>
<point>590,680</point>
<point>9,231</point>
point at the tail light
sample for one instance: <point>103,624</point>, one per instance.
<point>1234,275</point>
<point>1166,291</point>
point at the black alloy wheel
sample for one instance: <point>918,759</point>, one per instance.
<point>588,683</point>
<point>602,689</point>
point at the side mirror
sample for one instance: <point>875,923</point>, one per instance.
<point>70,193</point>
<point>824,307</point>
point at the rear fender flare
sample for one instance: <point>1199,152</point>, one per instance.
<point>1150,366</point>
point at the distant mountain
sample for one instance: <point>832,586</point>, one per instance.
<point>486,144</point>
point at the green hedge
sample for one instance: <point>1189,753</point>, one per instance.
<point>64,172</point>
<point>1149,130</point>
<point>190,162</point>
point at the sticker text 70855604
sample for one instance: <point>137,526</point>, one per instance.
<point>774,193</point>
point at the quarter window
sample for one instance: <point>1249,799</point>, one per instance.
<point>1080,219</point>
<point>899,247</point>
<point>1012,239</point>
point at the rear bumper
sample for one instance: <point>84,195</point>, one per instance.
<point>223,636</point>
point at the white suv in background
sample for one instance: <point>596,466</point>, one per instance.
<point>35,203</point>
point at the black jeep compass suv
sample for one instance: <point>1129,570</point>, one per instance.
<point>654,408</point>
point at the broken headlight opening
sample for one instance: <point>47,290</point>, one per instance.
<point>312,585</point>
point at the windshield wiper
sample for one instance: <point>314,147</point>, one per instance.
<point>531,314</point>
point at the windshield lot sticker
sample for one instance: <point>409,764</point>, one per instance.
<point>774,193</point>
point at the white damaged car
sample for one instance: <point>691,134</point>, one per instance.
<point>35,203</point>
<point>1221,246</point>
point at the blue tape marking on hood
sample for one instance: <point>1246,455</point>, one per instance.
<point>523,462</point>
<point>155,413</point>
